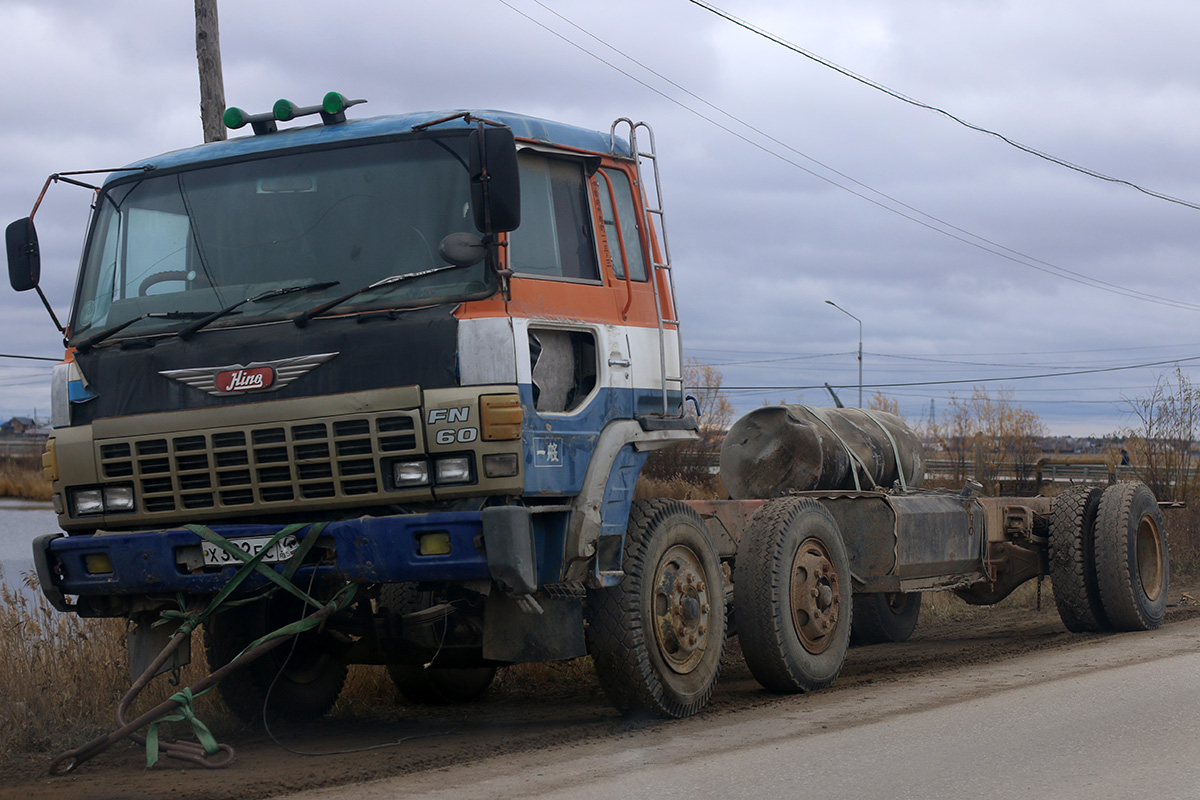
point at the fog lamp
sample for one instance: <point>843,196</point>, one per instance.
<point>434,544</point>
<point>97,563</point>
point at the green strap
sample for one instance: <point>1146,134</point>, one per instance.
<point>184,713</point>
<point>895,447</point>
<point>189,621</point>
<point>854,459</point>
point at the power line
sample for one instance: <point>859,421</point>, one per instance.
<point>906,99</point>
<point>30,358</point>
<point>949,230</point>
<point>953,382</point>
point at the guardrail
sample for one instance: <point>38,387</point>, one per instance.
<point>24,447</point>
<point>1051,472</point>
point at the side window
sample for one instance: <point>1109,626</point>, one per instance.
<point>555,239</point>
<point>624,224</point>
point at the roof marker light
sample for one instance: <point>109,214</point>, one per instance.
<point>332,110</point>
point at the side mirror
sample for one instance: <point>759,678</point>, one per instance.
<point>462,249</point>
<point>24,258</point>
<point>495,181</point>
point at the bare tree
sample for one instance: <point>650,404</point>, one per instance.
<point>985,433</point>
<point>212,82</point>
<point>1161,442</point>
<point>693,461</point>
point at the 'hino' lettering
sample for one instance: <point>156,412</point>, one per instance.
<point>259,376</point>
<point>245,380</point>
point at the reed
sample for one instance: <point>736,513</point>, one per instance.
<point>23,479</point>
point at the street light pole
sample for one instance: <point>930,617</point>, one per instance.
<point>859,321</point>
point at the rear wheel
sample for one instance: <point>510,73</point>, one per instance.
<point>297,681</point>
<point>657,637</point>
<point>792,594</point>
<point>885,617</point>
<point>1132,565</point>
<point>1073,559</point>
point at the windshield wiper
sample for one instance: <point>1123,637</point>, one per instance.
<point>189,331</point>
<point>95,339</point>
<point>302,319</point>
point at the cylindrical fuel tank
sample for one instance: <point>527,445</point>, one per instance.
<point>777,449</point>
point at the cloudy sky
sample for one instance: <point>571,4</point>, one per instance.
<point>786,183</point>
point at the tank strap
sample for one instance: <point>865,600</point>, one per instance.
<point>895,448</point>
<point>855,463</point>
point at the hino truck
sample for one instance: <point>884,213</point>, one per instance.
<point>425,357</point>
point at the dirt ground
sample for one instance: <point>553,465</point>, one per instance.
<point>516,717</point>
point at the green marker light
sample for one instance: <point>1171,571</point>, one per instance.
<point>284,110</point>
<point>334,103</point>
<point>234,118</point>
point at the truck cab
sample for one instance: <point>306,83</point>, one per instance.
<point>442,343</point>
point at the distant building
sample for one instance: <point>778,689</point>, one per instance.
<point>21,426</point>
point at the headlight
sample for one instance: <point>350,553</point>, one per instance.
<point>87,501</point>
<point>118,498</point>
<point>452,469</point>
<point>410,473</point>
<point>92,500</point>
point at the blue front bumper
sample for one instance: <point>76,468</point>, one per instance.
<point>370,550</point>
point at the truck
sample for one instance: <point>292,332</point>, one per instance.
<point>425,357</point>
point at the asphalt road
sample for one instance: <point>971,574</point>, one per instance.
<point>1110,717</point>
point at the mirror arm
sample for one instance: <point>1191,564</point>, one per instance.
<point>50,309</point>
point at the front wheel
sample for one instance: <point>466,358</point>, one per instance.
<point>298,680</point>
<point>657,637</point>
<point>791,592</point>
<point>1132,565</point>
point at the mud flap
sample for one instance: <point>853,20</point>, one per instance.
<point>145,642</point>
<point>511,634</point>
<point>508,539</point>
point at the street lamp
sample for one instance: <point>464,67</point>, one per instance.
<point>859,321</point>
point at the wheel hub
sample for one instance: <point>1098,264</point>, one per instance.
<point>1148,545</point>
<point>681,609</point>
<point>816,600</point>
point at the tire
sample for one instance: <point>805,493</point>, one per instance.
<point>657,638</point>
<point>430,686</point>
<point>792,593</point>
<point>303,681</point>
<point>1073,559</point>
<point>1132,564</point>
<point>440,686</point>
<point>884,617</point>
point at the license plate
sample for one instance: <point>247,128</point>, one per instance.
<point>282,550</point>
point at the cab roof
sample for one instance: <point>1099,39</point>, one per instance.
<point>523,127</point>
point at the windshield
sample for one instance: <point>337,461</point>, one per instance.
<point>202,240</point>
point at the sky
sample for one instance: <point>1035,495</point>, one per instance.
<point>786,183</point>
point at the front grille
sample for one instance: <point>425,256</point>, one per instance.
<point>303,461</point>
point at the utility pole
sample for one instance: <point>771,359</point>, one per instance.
<point>859,321</point>
<point>212,83</point>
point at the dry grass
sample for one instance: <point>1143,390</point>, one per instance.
<point>23,478</point>
<point>1183,539</point>
<point>680,489</point>
<point>64,676</point>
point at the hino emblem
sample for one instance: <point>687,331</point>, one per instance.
<point>259,376</point>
